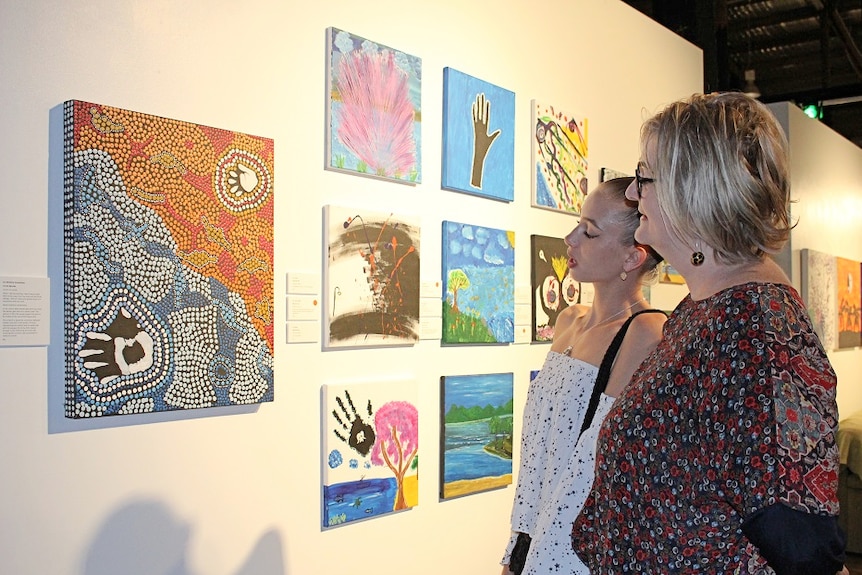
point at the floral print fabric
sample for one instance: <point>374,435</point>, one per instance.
<point>733,412</point>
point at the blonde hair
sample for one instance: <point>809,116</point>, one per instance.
<point>628,217</point>
<point>720,163</point>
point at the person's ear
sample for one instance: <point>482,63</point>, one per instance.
<point>636,257</point>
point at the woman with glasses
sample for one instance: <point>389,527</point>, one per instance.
<point>591,359</point>
<point>720,455</point>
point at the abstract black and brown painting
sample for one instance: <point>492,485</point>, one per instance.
<point>372,278</point>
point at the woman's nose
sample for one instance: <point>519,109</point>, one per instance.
<point>632,191</point>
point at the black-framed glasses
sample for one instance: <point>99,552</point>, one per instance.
<point>641,181</point>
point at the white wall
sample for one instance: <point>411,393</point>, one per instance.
<point>237,491</point>
<point>827,186</point>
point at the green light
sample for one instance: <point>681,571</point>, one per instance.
<point>813,111</point>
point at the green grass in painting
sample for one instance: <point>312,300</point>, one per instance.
<point>461,327</point>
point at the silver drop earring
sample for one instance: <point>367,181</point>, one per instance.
<point>623,275</point>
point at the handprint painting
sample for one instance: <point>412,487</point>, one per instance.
<point>168,264</point>
<point>478,137</point>
<point>370,450</point>
<point>372,278</point>
<point>478,284</point>
<point>374,112</point>
<point>559,159</point>
<point>553,289</point>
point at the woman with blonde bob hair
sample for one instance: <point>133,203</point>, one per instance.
<point>720,455</point>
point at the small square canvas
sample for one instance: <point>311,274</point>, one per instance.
<point>370,449</point>
<point>553,289</point>
<point>478,137</point>
<point>374,112</point>
<point>559,159</point>
<point>168,264</point>
<point>667,274</point>
<point>819,276</point>
<point>478,284</point>
<point>606,174</point>
<point>371,278</point>
<point>476,447</point>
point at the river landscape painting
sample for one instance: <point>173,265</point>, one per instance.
<point>476,443</point>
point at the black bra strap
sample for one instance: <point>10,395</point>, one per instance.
<point>605,368</point>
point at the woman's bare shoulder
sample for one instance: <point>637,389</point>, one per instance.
<point>648,326</point>
<point>570,314</point>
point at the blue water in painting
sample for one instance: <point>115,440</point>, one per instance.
<point>465,456</point>
<point>478,389</point>
<point>543,194</point>
<point>344,502</point>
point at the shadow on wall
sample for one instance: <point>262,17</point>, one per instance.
<point>146,538</point>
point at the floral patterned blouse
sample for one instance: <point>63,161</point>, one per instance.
<point>722,448</point>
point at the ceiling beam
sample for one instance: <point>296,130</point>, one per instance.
<point>850,46</point>
<point>847,91</point>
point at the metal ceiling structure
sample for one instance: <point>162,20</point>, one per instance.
<point>802,51</point>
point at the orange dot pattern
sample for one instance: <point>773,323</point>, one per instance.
<point>168,264</point>
<point>182,172</point>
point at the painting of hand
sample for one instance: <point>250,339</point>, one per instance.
<point>482,140</point>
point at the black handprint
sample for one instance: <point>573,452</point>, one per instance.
<point>124,348</point>
<point>482,140</point>
<point>359,435</point>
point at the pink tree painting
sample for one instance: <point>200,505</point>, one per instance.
<point>397,425</point>
<point>370,449</point>
<point>374,110</point>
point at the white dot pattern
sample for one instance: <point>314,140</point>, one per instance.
<point>556,468</point>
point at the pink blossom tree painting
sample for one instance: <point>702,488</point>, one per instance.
<point>397,425</point>
<point>370,449</point>
<point>374,110</point>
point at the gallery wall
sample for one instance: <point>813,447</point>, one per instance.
<point>826,184</point>
<point>236,491</point>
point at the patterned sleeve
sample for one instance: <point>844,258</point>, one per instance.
<point>778,427</point>
<point>806,414</point>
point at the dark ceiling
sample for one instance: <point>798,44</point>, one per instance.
<point>803,51</point>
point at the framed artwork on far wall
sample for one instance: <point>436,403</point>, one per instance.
<point>849,302</point>
<point>478,284</point>
<point>370,449</point>
<point>373,112</point>
<point>478,137</point>
<point>477,433</point>
<point>371,278</point>
<point>819,276</point>
<point>560,159</point>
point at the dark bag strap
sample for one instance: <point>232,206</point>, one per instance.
<point>605,369</point>
<point>518,559</point>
